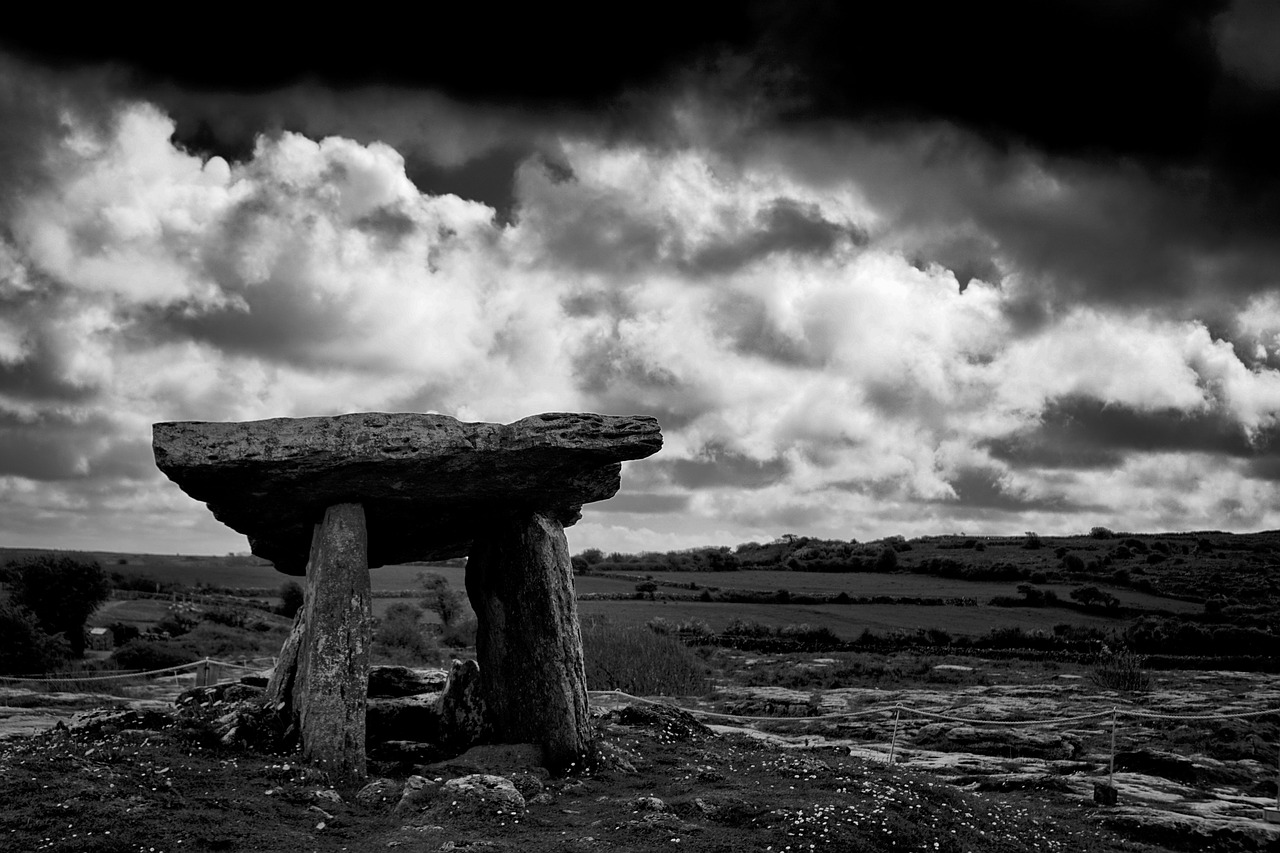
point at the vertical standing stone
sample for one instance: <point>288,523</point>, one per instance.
<point>330,691</point>
<point>529,645</point>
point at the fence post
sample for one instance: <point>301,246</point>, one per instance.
<point>1111,769</point>
<point>1105,793</point>
<point>1273,815</point>
<point>893,743</point>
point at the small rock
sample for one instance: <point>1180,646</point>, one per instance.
<point>326,795</point>
<point>1105,794</point>
<point>419,792</point>
<point>648,804</point>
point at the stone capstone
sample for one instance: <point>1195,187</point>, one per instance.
<point>429,484</point>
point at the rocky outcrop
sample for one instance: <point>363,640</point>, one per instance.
<point>994,740</point>
<point>428,483</point>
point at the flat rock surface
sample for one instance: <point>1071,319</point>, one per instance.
<point>427,482</point>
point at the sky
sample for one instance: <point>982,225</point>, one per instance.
<point>878,269</point>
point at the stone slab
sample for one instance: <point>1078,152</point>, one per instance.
<point>424,480</point>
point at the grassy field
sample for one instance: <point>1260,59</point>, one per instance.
<point>869,584</point>
<point>845,621</point>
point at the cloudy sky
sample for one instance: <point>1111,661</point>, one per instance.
<point>984,267</point>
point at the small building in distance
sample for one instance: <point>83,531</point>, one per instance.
<point>99,639</point>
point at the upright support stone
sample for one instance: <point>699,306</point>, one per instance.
<point>529,645</point>
<point>330,691</point>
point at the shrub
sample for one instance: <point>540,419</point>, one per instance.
<point>1033,541</point>
<point>208,640</point>
<point>123,632</point>
<point>1101,533</point>
<point>447,603</point>
<point>175,624</point>
<point>60,592</point>
<point>696,627</point>
<point>640,662</point>
<point>292,598</point>
<point>1120,670</point>
<point>747,628</point>
<point>461,634</point>
<point>24,648</point>
<point>149,654</point>
<point>228,616</point>
<point>401,637</point>
<point>811,634</point>
<point>887,561</point>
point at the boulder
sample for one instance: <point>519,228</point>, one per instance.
<point>1156,762</point>
<point>393,681</point>
<point>464,719</point>
<point>482,792</point>
<point>499,759</point>
<point>425,480</point>
<point>419,792</point>
<point>415,718</point>
<point>674,723</point>
<point>380,792</point>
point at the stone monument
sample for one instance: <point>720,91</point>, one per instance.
<point>332,497</point>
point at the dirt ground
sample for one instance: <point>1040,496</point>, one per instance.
<point>153,783</point>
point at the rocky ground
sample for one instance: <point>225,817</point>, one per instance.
<point>150,779</point>
<point>1196,776</point>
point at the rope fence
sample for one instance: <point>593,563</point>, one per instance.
<point>204,667</point>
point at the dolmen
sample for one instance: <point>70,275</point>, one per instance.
<point>332,497</point>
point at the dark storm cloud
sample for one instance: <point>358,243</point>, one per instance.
<point>524,53</point>
<point>982,489</point>
<point>1247,36</point>
<point>1141,78</point>
<point>52,447</point>
<point>603,232</point>
<point>1085,433</point>
<point>644,503</point>
<point>717,466</point>
<point>785,226</point>
<point>618,382</point>
<point>751,328</point>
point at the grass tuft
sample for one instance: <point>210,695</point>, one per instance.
<point>640,661</point>
<point>1121,670</point>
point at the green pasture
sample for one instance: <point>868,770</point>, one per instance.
<point>141,612</point>
<point>870,584</point>
<point>846,621</point>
